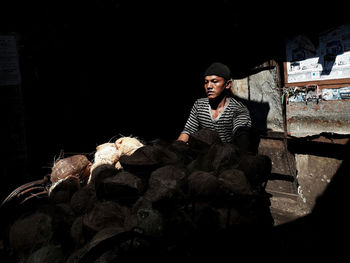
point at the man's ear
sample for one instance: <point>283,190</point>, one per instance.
<point>228,84</point>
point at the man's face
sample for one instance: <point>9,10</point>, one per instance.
<point>214,86</point>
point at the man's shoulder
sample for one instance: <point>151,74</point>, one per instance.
<point>236,102</point>
<point>202,101</point>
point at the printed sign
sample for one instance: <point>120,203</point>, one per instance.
<point>329,60</point>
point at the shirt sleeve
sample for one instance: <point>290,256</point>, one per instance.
<point>241,118</point>
<point>192,124</point>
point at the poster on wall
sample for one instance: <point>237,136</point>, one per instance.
<point>329,59</point>
<point>9,66</point>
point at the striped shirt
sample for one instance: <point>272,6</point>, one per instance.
<point>233,116</point>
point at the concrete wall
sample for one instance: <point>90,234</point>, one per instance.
<point>314,175</point>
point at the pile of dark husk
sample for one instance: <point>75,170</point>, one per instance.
<point>171,201</point>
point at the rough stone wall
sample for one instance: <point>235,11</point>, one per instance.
<point>263,99</point>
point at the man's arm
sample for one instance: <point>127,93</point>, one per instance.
<point>242,138</point>
<point>191,126</point>
<point>242,127</point>
<point>241,119</point>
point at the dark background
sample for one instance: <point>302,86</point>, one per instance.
<point>95,70</point>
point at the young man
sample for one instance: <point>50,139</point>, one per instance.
<point>219,111</point>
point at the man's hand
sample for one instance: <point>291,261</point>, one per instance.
<point>183,137</point>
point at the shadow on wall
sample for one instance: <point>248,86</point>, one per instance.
<point>258,114</point>
<point>323,232</point>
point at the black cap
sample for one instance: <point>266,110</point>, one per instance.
<point>218,69</point>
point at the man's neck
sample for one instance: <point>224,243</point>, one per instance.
<point>218,102</point>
